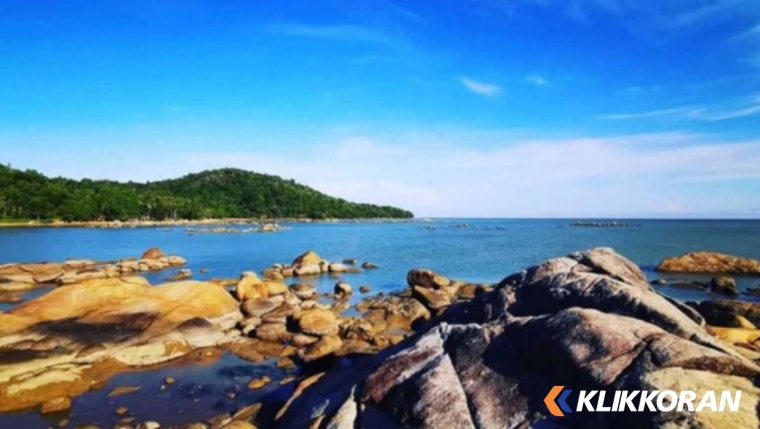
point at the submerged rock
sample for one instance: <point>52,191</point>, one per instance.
<point>586,321</point>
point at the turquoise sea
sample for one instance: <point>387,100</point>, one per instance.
<point>470,249</point>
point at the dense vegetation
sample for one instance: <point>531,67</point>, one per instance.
<point>210,194</point>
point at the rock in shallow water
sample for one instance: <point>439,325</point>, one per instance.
<point>724,285</point>
<point>586,321</point>
<point>711,263</point>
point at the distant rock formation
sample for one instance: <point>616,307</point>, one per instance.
<point>710,263</point>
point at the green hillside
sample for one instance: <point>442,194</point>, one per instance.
<point>210,194</point>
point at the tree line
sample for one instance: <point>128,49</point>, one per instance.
<point>223,193</point>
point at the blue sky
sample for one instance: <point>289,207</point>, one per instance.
<point>478,108</point>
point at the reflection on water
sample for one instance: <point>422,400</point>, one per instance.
<point>203,388</point>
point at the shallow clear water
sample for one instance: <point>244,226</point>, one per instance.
<point>485,251</point>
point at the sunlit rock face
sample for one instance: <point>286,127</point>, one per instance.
<point>76,335</point>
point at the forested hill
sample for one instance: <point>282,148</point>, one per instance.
<point>209,194</point>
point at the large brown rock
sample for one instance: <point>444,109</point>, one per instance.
<point>309,257</point>
<point>250,287</point>
<point>426,278</point>
<point>710,263</point>
<point>79,335</point>
<point>318,322</point>
<point>153,253</point>
<point>586,321</point>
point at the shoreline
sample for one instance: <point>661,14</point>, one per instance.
<point>192,222</point>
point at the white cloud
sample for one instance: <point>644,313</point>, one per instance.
<point>480,88</point>
<point>537,80</point>
<point>625,175</point>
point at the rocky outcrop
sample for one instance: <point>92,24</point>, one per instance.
<point>79,335</point>
<point>589,320</point>
<point>710,263</point>
<point>15,277</point>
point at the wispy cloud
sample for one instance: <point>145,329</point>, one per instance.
<point>677,111</point>
<point>748,34</point>
<point>652,16</point>
<point>480,88</point>
<point>695,113</point>
<point>347,32</point>
<point>537,80</point>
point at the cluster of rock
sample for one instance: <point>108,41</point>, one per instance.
<point>292,324</point>
<point>147,223</point>
<point>440,353</point>
<point>16,277</point>
<point>613,224</point>
<point>589,320</point>
<point>311,264</point>
<point>266,227</point>
<point>289,321</point>
<point>722,284</point>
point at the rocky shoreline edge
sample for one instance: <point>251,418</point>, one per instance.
<point>440,353</point>
<point>191,222</point>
